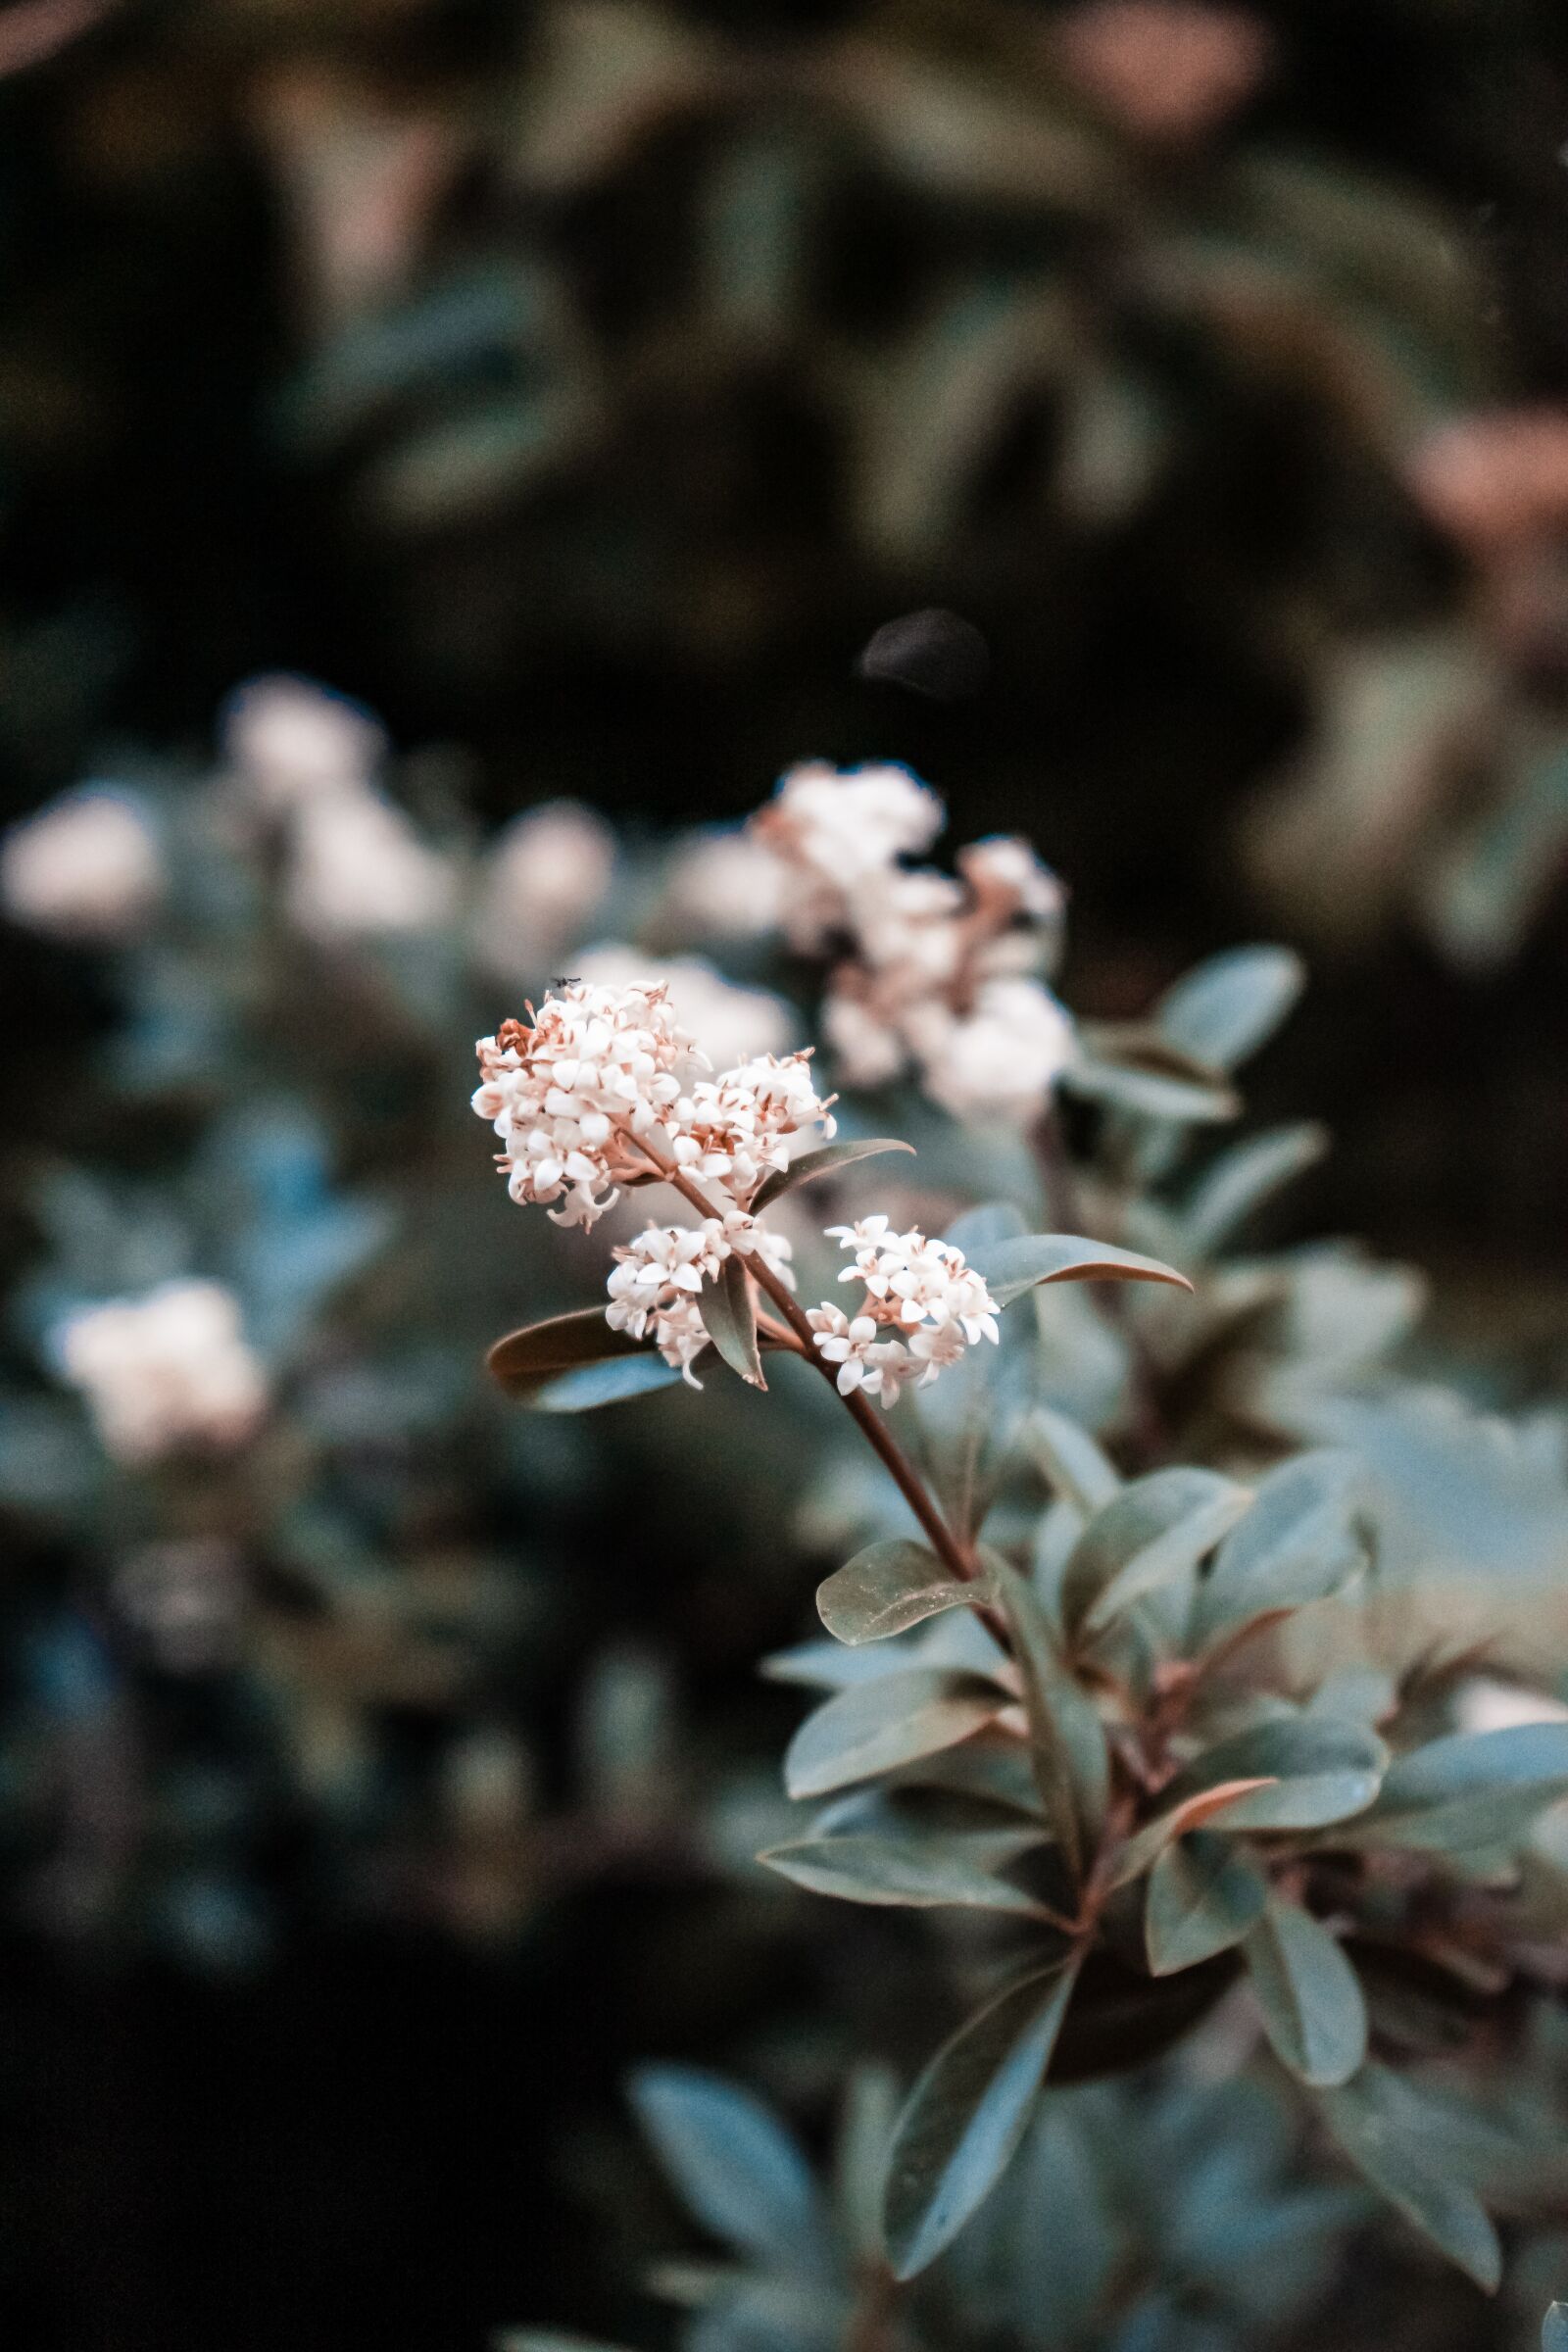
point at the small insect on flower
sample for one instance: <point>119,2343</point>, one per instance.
<point>564,980</point>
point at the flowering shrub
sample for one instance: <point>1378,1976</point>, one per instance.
<point>1191,1682</point>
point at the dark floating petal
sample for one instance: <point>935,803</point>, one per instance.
<point>934,653</point>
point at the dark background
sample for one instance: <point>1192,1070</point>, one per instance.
<point>359,2145</point>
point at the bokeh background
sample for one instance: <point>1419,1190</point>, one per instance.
<point>578,386</point>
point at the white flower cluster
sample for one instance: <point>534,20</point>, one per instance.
<point>943,974</point>
<point>658,1278</point>
<point>166,1371</point>
<point>87,867</point>
<point>306,760</point>
<point>924,1304</point>
<point>602,1088</point>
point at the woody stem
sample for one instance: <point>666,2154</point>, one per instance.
<point>954,1555</point>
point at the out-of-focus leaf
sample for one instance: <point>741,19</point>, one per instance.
<point>1295,1544</point>
<point>1242,1178</point>
<point>1323,1772</point>
<point>734,2163</point>
<point>1395,2140</point>
<point>1222,1012</point>
<point>1151,1094</point>
<point>548,2339</point>
<point>1471,1789</point>
<point>1309,1994</point>
<point>1203,1898</point>
<point>983,1227</point>
<point>873,1726</point>
<point>1078,1469</point>
<point>828,1161</point>
<point>966,2115</point>
<point>729,1317</point>
<point>1009,1268</point>
<point>1067,1740</point>
<point>886,1588</point>
<point>922,1872</point>
<point>1555,2330</point>
<point>860,2160</point>
<point>971,1429</point>
<point>1152,1532</point>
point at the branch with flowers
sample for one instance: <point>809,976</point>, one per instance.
<point>1098,1734</point>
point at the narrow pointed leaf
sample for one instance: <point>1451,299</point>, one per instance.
<point>1228,1006</point>
<point>1150,1093</point>
<point>966,2116</point>
<point>1555,2330</point>
<point>1203,1898</point>
<point>1009,1268</point>
<point>1155,1531</point>
<point>593,1384</point>
<point>1242,1178</point>
<point>886,1588</point>
<point>1395,2140</point>
<point>1310,1997</point>
<point>1471,1789</point>
<point>1193,1813</point>
<point>736,2166</point>
<point>919,1871</point>
<point>1067,1740</point>
<point>548,2339</point>
<point>873,1726</point>
<point>828,1161</point>
<point>1297,1545</point>
<point>1321,1770</point>
<point>728,1309</point>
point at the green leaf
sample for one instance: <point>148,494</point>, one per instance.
<point>1242,1178</point>
<point>873,1726</point>
<point>1203,1898</point>
<point>1151,1093</point>
<point>826,1161</point>
<point>1324,1770</point>
<point>1297,1545</point>
<point>861,2157</point>
<point>1309,1994</point>
<point>728,1310</point>
<point>886,1588</point>
<point>1228,1006</point>
<point>1395,2140</point>
<point>593,1384</point>
<point>984,1227</point>
<point>1075,1465</point>
<point>1473,1788</point>
<point>525,1361</point>
<point>921,1872</point>
<point>966,2113</point>
<point>1067,1740</point>
<point>1193,1812</point>
<point>1555,2330</point>
<point>1155,1531</point>
<point>733,2163</point>
<point>1009,1268</point>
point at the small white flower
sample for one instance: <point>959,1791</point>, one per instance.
<point>85,867</point>
<point>848,1342</point>
<point>680,1336</point>
<point>166,1371</point>
<point>726,1022</point>
<point>293,742</point>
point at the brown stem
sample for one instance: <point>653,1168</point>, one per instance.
<point>954,1556</point>
<point>870,2327</point>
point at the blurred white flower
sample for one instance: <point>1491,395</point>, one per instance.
<point>543,878</point>
<point>1486,1703</point>
<point>291,741</point>
<point>723,884</point>
<point>999,1060</point>
<point>85,867</point>
<point>166,1371</point>
<point>358,868</point>
<point>728,1023</point>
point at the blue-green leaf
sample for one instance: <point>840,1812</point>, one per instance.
<point>728,1310</point>
<point>922,1872</point>
<point>1067,1740</point>
<point>1323,1771</point>
<point>828,1161</point>
<point>1203,1898</point>
<point>1009,1268</point>
<point>1309,1994</point>
<point>1297,1545</point>
<point>1471,1789</point>
<point>1228,1006</point>
<point>1153,1532</point>
<point>873,1726</point>
<point>966,2116</point>
<point>1395,2140</point>
<point>734,2163</point>
<point>886,1588</point>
